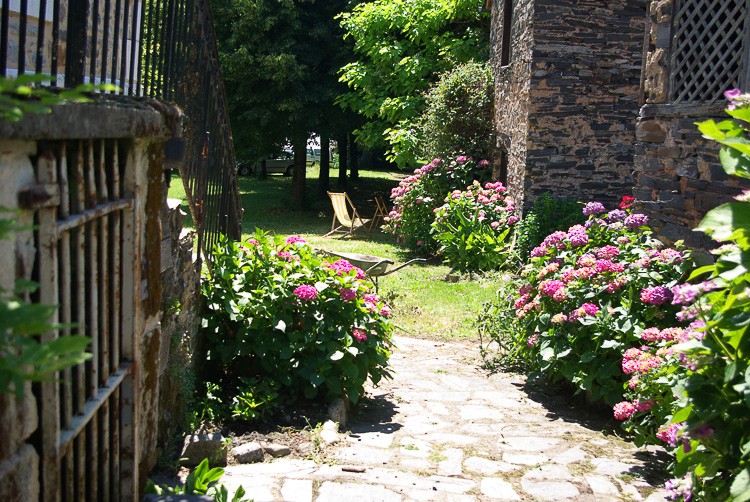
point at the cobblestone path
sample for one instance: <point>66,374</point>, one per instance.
<point>444,429</point>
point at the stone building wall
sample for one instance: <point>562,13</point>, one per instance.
<point>584,98</point>
<point>512,86</point>
<point>574,93</point>
<point>678,177</point>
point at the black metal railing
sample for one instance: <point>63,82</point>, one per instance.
<point>161,49</point>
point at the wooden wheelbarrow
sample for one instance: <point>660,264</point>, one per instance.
<point>373,266</point>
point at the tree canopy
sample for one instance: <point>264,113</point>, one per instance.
<point>401,46</point>
<point>279,60</point>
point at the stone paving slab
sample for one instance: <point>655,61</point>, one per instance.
<point>445,430</point>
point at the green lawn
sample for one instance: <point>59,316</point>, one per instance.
<point>424,303</point>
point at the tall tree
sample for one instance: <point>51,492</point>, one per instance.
<point>279,60</point>
<point>401,46</point>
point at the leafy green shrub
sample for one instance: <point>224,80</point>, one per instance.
<point>473,227</point>
<point>201,481</point>
<point>417,197</point>
<point>588,291</point>
<point>459,114</point>
<point>499,330</point>
<point>706,368</point>
<point>276,313</point>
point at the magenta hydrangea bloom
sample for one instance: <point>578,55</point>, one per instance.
<point>670,433</point>
<point>294,239</point>
<point>578,239</point>
<point>359,334</point>
<point>656,295</point>
<point>636,220</point>
<point>624,410</point>
<point>347,294</point>
<point>590,309</point>
<point>594,208</point>
<point>679,489</point>
<point>306,292</point>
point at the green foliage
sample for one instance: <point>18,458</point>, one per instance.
<point>279,62</point>
<point>401,47</point>
<point>711,416</point>
<point>23,94</point>
<point>201,481</point>
<point>474,228</point>
<point>23,357</point>
<point>417,197</point>
<point>548,214</point>
<point>587,294</point>
<point>305,327</point>
<point>500,330</point>
<point>458,116</point>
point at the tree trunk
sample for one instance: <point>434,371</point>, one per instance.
<point>354,161</point>
<point>299,173</point>
<point>263,170</point>
<point>343,158</point>
<point>324,180</point>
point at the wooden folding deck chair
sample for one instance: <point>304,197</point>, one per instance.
<point>381,211</point>
<point>349,221</point>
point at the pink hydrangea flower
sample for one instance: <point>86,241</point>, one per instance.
<point>532,340</point>
<point>512,220</point>
<point>295,239</point>
<point>359,334</point>
<point>624,410</point>
<point>306,292</point>
<point>559,318</point>
<point>594,208</point>
<point>607,253</point>
<point>670,433</point>
<point>656,295</point>
<point>347,294</point>
<point>385,311</point>
<point>590,309</point>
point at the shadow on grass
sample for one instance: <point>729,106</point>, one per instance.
<point>267,203</point>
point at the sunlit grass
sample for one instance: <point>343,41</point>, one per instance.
<point>425,304</point>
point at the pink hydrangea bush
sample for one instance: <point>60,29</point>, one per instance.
<point>474,227</point>
<point>417,196</point>
<point>587,294</point>
<point>298,325</point>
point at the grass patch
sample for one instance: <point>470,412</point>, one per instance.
<point>424,303</point>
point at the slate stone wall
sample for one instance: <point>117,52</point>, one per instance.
<point>678,177</point>
<point>512,91</point>
<point>584,99</point>
<point>568,102</point>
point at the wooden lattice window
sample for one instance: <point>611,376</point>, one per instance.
<point>709,49</point>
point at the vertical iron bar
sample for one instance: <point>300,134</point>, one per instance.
<point>139,50</point>
<point>148,43</point>
<point>41,29</point>
<point>22,25</point>
<point>94,40</point>
<point>169,50</point>
<point>76,43</point>
<point>124,54</point>
<point>105,40</point>
<point>4,35</point>
<point>158,54</point>
<point>55,41</point>
<point>116,44</point>
<point>134,50</point>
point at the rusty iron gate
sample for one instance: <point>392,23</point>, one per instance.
<point>87,263</point>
